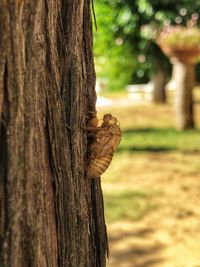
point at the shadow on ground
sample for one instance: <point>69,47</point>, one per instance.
<point>158,130</point>
<point>152,149</point>
<point>140,249</point>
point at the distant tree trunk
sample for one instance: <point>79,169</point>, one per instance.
<point>184,76</point>
<point>50,213</point>
<point>159,82</point>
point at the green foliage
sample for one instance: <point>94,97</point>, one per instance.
<point>122,54</point>
<point>113,58</point>
<point>181,37</point>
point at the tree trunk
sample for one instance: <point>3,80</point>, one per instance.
<point>159,92</point>
<point>50,213</point>
<point>184,76</point>
<point>159,81</point>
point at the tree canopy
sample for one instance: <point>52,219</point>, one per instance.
<point>122,53</point>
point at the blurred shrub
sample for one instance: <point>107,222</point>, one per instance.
<point>122,54</point>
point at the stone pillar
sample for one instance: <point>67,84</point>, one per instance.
<point>184,76</point>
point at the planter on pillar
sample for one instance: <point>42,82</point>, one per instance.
<point>183,58</point>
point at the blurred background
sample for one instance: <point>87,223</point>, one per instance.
<point>146,59</point>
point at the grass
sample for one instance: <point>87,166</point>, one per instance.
<point>152,154</point>
<point>117,205</point>
<point>159,139</point>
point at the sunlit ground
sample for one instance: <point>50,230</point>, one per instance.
<point>152,188</point>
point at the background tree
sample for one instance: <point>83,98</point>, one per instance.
<point>51,214</point>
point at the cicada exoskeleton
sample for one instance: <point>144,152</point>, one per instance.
<point>106,139</point>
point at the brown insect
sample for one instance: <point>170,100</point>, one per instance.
<point>104,141</point>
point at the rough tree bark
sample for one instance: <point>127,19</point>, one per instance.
<point>51,214</point>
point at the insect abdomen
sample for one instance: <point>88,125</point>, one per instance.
<point>98,166</point>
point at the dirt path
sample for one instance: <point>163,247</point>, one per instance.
<point>168,236</point>
<point>153,244</point>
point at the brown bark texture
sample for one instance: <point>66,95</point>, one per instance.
<point>159,91</point>
<point>159,81</point>
<point>51,214</point>
<point>184,76</point>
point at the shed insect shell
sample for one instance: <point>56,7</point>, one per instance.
<point>97,167</point>
<point>106,139</point>
<point>92,120</point>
